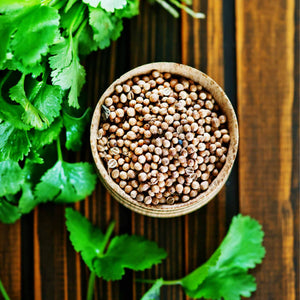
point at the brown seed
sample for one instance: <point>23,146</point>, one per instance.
<point>133,194</point>
<point>142,177</point>
<point>185,198</point>
<point>225,138</point>
<point>148,200</point>
<point>138,166</point>
<point>115,173</point>
<point>204,185</point>
<point>140,197</point>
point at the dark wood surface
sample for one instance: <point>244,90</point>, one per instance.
<point>251,48</point>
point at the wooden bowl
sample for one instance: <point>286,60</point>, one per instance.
<point>177,209</point>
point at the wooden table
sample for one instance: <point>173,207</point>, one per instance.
<point>251,48</point>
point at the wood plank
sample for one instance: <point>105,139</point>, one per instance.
<point>50,256</point>
<point>202,48</point>
<point>265,73</point>
<point>10,259</point>
<point>152,38</point>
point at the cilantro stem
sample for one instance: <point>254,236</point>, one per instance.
<point>82,25</point>
<point>196,15</point>
<point>59,152</point>
<point>90,292</point>
<point>4,79</point>
<point>92,278</point>
<point>108,233</point>
<point>165,282</point>
<point>3,291</point>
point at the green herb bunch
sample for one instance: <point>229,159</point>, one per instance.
<point>224,276</point>
<point>41,79</point>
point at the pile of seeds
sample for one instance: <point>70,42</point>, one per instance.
<point>163,138</point>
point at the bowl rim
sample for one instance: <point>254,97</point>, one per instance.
<point>182,208</point>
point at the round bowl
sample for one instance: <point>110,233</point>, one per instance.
<point>177,209</point>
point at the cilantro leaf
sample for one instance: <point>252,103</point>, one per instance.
<point>195,278</point>
<point>67,72</point>
<point>86,42</point>
<point>66,182</point>
<point>111,5</point>
<point>92,3</point>
<point>14,143</point>
<point>8,212</point>
<point>130,10</point>
<point>75,128</point>
<point>40,138</point>
<point>225,274</point>
<point>32,115</point>
<point>13,114</point>
<point>11,177</point>
<point>36,28</point>
<point>27,35</point>
<point>47,99</point>
<point>242,246</point>
<point>123,252</point>
<point>229,284</point>
<point>154,292</point>
<point>27,201</point>
<point>108,29</point>
<point>85,238</point>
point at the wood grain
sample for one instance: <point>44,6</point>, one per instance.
<point>202,47</point>
<point>265,73</point>
<point>10,259</point>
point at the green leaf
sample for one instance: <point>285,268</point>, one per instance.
<point>154,292</point>
<point>32,115</point>
<point>131,252</point>
<point>242,247</point>
<point>10,5</point>
<point>106,27</point>
<point>40,138</point>
<point>225,274</point>
<point>195,278</point>
<point>66,183</point>
<point>111,5</point>
<point>230,284</point>
<point>11,177</point>
<point>8,212</point>
<point>85,238</point>
<point>6,30</point>
<point>86,42</point>
<point>130,10</point>
<point>13,114</point>
<point>27,201</point>
<point>92,3</point>
<point>47,100</point>
<point>67,71</point>
<point>75,128</point>
<point>36,28</point>
<point>14,143</point>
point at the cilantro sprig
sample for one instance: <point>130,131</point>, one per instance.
<point>41,81</point>
<point>108,258</point>
<point>225,274</point>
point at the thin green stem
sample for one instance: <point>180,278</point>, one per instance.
<point>165,282</point>
<point>196,15</point>
<point>109,231</point>
<point>59,152</point>
<point>3,291</point>
<point>82,25</point>
<point>4,79</point>
<point>90,292</point>
<point>172,282</point>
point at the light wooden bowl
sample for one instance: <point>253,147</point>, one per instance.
<point>177,209</point>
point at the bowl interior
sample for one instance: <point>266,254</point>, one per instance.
<point>177,209</point>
